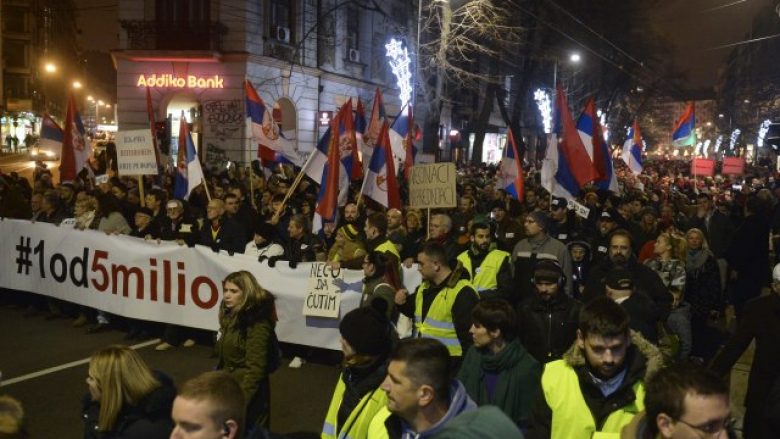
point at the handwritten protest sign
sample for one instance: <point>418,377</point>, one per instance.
<point>324,295</point>
<point>432,186</point>
<point>579,209</point>
<point>135,153</point>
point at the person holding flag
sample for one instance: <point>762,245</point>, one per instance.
<point>511,172</point>
<point>188,170</point>
<point>76,148</point>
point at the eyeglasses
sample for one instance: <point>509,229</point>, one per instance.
<point>714,428</point>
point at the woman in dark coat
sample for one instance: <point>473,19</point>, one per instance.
<point>760,321</point>
<point>246,343</point>
<point>126,400</point>
<point>704,293</point>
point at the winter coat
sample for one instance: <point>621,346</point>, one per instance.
<point>760,321</point>
<point>376,287</point>
<point>528,251</point>
<point>244,343</point>
<point>487,422</point>
<point>642,361</point>
<point>702,286</point>
<point>150,418</point>
<point>229,236</point>
<point>518,374</point>
<point>645,280</point>
<point>547,328</point>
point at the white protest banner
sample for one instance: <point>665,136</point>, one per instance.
<point>324,294</point>
<point>135,153</point>
<point>432,186</point>
<point>579,209</point>
<point>101,179</point>
<point>162,282</point>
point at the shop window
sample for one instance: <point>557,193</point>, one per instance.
<point>15,53</point>
<point>14,19</point>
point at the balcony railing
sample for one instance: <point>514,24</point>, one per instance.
<point>157,35</point>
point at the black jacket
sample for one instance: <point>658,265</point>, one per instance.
<point>149,419</point>
<point>760,321</point>
<point>229,237</point>
<point>304,249</point>
<point>718,233</point>
<point>645,280</point>
<point>185,229</point>
<point>547,328</point>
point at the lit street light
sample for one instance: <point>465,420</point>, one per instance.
<point>50,67</point>
<point>575,57</point>
<point>77,84</point>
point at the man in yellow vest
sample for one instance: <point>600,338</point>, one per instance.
<point>441,306</point>
<point>598,385</point>
<point>490,270</point>
<point>422,398</point>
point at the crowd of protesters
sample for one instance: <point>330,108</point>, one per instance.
<point>560,315</point>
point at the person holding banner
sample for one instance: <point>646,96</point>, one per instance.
<point>246,343</point>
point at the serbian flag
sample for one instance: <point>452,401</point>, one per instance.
<point>567,167</point>
<point>318,159</point>
<point>348,143</point>
<point>381,184</point>
<point>512,169</point>
<point>188,170</point>
<point>592,136</point>
<point>371,132</point>
<point>685,129</point>
<point>75,145</point>
<point>327,198</point>
<point>51,135</point>
<point>400,131</point>
<point>270,138</point>
<point>632,149</point>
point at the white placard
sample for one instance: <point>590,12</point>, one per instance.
<point>579,209</point>
<point>323,297</point>
<point>135,153</point>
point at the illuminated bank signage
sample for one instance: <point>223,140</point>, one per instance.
<point>171,81</point>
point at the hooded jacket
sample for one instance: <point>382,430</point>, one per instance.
<point>642,361</point>
<point>386,425</point>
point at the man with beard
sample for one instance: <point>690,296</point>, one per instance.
<point>508,231</point>
<point>396,232</point>
<point>538,245</point>
<point>352,215</point>
<point>645,279</point>
<point>562,225</point>
<point>489,270</point>
<point>606,224</point>
<point>598,385</point>
<point>547,320</point>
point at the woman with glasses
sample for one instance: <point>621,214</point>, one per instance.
<point>126,399</point>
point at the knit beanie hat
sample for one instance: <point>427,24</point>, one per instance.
<point>541,219</point>
<point>367,330</point>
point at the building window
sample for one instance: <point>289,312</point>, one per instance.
<point>15,54</point>
<point>181,12</point>
<point>183,24</point>
<point>16,86</point>
<point>281,20</point>
<point>14,19</point>
<point>353,27</point>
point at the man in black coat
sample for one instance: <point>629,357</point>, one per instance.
<point>547,320</point>
<point>642,311</point>
<point>748,255</point>
<point>177,226</point>
<point>220,232</point>
<point>717,228</point>
<point>760,321</point>
<point>646,280</point>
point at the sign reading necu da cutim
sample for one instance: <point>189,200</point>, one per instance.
<point>171,81</point>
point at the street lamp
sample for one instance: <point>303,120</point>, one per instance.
<point>76,84</point>
<point>575,57</point>
<point>50,67</point>
<point>90,98</point>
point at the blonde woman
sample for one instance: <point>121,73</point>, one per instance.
<point>246,343</point>
<point>126,399</point>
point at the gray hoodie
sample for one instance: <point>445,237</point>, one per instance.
<point>459,403</point>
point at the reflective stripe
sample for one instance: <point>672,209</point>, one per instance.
<point>439,324</point>
<point>445,341</point>
<point>329,429</point>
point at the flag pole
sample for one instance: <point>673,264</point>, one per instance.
<point>290,191</point>
<point>251,186</point>
<point>141,190</point>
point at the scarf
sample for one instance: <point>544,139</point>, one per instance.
<point>696,259</point>
<point>510,378</point>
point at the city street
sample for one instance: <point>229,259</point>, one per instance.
<point>44,365</point>
<point>21,164</point>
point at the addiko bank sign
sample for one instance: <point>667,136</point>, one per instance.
<point>170,81</point>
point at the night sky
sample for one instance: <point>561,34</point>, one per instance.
<point>693,26</point>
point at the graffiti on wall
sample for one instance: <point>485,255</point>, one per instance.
<point>223,128</point>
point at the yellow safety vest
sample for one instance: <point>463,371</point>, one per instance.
<point>376,428</point>
<point>571,417</point>
<point>486,277</point>
<point>358,421</point>
<point>438,322</point>
<point>388,247</point>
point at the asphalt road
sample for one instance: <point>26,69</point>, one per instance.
<point>52,398</point>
